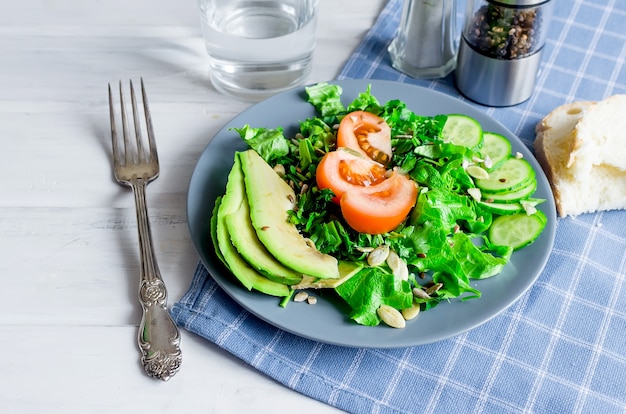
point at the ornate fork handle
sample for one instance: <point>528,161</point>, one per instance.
<point>158,336</point>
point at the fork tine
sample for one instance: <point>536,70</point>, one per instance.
<point>127,148</point>
<point>116,151</point>
<point>141,154</point>
<point>151,141</point>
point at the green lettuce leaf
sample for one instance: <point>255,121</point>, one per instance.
<point>369,289</point>
<point>271,144</point>
<point>365,102</point>
<point>444,209</point>
<point>326,99</point>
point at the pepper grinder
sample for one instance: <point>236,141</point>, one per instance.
<point>425,45</point>
<point>500,50</point>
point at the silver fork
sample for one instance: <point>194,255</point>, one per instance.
<point>134,166</point>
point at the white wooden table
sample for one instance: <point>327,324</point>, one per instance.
<point>68,239</point>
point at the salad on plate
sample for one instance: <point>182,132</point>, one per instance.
<point>391,211</point>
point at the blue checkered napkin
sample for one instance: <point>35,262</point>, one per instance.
<point>561,348</point>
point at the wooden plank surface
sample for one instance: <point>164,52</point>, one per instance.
<point>68,241</point>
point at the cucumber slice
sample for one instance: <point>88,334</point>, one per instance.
<point>497,147</point>
<point>514,196</point>
<point>513,174</point>
<point>463,130</point>
<point>502,209</point>
<point>517,230</point>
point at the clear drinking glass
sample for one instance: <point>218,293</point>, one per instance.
<point>257,48</point>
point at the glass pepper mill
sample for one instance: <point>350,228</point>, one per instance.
<point>500,50</point>
<point>425,45</point>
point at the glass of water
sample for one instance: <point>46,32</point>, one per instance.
<point>257,48</point>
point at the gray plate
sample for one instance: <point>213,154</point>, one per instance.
<point>328,321</point>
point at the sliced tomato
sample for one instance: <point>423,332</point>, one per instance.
<point>366,133</point>
<point>379,208</point>
<point>344,169</point>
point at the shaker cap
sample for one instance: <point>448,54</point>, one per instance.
<point>519,3</point>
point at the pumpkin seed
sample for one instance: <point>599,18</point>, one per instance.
<point>529,207</point>
<point>300,296</point>
<point>378,256</point>
<point>488,163</point>
<point>412,312</point>
<point>397,266</point>
<point>280,169</point>
<point>477,172</point>
<point>475,193</point>
<point>391,316</point>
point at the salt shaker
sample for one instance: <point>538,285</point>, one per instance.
<point>500,50</point>
<point>425,45</point>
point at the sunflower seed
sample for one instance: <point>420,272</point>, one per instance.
<point>434,288</point>
<point>311,300</point>
<point>378,256</point>
<point>391,316</point>
<point>365,249</point>
<point>420,293</point>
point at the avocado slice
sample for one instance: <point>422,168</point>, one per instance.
<point>248,276</point>
<point>213,231</point>
<point>270,197</point>
<point>244,237</point>
<point>346,271</point>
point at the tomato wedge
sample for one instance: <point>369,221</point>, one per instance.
<point>366,133</point>
<point>371,200</point>
<point>344,169</point>
<point>379,208</point>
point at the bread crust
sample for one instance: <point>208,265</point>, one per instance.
<point>553,140</point>
<point>580,147</point>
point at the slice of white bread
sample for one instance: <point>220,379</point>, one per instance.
<point>599,137</point>
<point>603,187</point>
